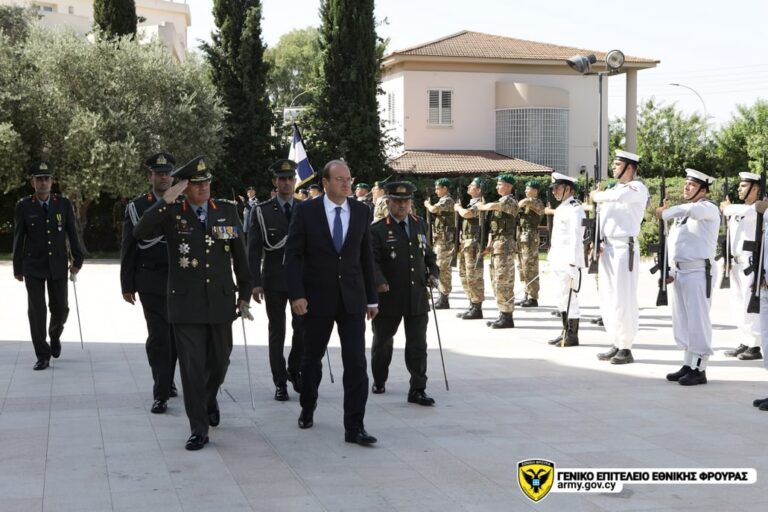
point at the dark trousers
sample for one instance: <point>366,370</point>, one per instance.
<point>161,344</point>
<point>204,351</point>
<point>384,329</point>
<point>36,311</point>
<point>351,329</point>
<point>275,303</point>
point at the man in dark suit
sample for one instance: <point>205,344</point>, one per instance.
<point>144,269</point>
<point>266,247</point>
<point>330,280</point>
<point>204,241</point>
<point>43,223</point>
<point>403,261</point>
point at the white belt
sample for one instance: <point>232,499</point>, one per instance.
<point>691,265</point>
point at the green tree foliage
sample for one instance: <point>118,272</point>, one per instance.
<point>96,110</point>
<point>239,73</point>
<point>668,139</point>
<point>115,18</point>
<point>346,109</point>
<point>742,144</point>
<point>294,66</point>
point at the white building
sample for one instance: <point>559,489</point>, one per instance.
<point>164,20</point>
<point>470,100</point>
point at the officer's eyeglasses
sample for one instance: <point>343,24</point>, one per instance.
<point>340,180</point>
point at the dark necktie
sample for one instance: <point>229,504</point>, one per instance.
<point>338,231</point>
<point>404,227</point>
<point>287,208</point>
<point>45,208</point>
<point>201,216</point>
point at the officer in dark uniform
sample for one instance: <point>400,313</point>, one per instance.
<point>144,269</point>
<point>266,242</point>
<point>43,223</point>
<point>403,262</point>
<point>315,190</point>
<point>204,240</point>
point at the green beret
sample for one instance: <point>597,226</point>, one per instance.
<point>442,182</point>
<point>478,182</point>
<point>533,184</point>
<point>363,185</point>
<point>506,178</point>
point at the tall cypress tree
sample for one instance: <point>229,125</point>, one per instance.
<point>239,73</point>
<point>115,17</point>
<point>346,108</point>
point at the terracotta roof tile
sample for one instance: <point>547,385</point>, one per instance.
<point>486,46</point>
<point>445,162</point>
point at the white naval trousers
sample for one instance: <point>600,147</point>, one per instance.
<point>691,324</point>
<point>563,278</point>
<point>741,290</point>
<point>618,292</point>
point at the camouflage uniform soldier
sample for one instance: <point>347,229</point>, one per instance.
<point>443,232</point>
<point>531,210</point>
<point>380,210</point>
<point>502,245</point>
<point>470,250</point>
<point>363,194</point>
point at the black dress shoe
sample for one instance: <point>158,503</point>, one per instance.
<point>159,406</point>
<point>295,379</point>
<point>420,397</point>
<point>607,356</point>
<point>377,388</point>
<point>675,377</point>
<point>597,321</point>
<point>173,393</point>
<point>306,418</point>
<point>556,313</point>
<point>214,417</point>
<point>751,354</point>
<point>623,356</point>
<point>693,378</point>
<point>359,436</point>
<point>281,393</point>
<point>736,351</point>
<point>55,348</point>
<point>757,402</point>
<point>763,406</point>
<point>196,442</point>
<point>41,364</point>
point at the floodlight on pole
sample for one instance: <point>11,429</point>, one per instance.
<point>581,63</point>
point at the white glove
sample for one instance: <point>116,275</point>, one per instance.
<point>245,311</point>
<point>73,277</point>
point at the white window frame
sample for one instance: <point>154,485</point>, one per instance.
<point>441,93</point>
<point>391,107</point>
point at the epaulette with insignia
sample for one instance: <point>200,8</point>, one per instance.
<point>378,221</point>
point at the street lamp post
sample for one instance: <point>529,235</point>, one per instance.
<point>704,105</point>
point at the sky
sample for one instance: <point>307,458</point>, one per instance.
<point>719,49</point>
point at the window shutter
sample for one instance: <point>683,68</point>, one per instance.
<point>446,116</point>
<point>434,106</point>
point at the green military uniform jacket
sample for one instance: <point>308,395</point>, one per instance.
<point>200,260</point>
<point>403,263</point>
<point>40,239</point>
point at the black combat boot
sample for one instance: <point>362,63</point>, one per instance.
<point>693,378</point>
<point>503,322</point>
<point>751,354</point>
<point>679,374</point>
<point>572,334</point>
<point>442,302</point>
<point>530,303</point>
<point>559,338</point>
<point>607,356</point>
<point>520,302</point>
<point>597,321</point>
<point>623,356</point>
<point>474,312</point>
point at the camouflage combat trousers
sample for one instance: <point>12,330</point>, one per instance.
<point>528,266</point>
<point>444,254</point>
<point>503,275</point>
<point>471,277</point>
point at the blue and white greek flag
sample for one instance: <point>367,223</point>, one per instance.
<point>304,171</point>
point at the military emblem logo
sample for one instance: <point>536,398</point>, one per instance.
<point>535,477</point>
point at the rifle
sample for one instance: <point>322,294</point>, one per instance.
<point>428,215</point>
<point>595,223</point>
<point>548,219</point>
<point>483,237</point>
<point>456,230</point>
<point>724,241</point>
<point>757,249</point>
<point>662,265</point>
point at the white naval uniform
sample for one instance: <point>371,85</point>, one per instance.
<point>692,240</point>
<point>620,212</point>
<point>764,297</point>
<point>566,252</point>
<point>741,227</point>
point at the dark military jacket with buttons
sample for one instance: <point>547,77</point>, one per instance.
<point>403,262</point>
<point>40,239</point>
<point>200,260</point>
<point>266,245</point>
<point>143,263</point>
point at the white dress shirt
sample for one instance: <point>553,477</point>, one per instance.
<point>621,209</point>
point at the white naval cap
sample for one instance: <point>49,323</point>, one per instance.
<point>699,176</point>
<point>626,155</point>
<point>560,178</point>
<point>749,176</point>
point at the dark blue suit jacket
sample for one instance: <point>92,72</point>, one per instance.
<point>332,283</point>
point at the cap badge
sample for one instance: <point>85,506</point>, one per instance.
<point>201,166</point>
<point>161,160</point>
<point>43,166</point>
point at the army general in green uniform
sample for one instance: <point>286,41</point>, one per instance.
<point>403,262</point>
<point>205,241</point>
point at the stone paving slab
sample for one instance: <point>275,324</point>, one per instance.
<point>80,437</point>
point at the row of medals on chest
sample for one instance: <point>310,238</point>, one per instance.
<point>184,247</point>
